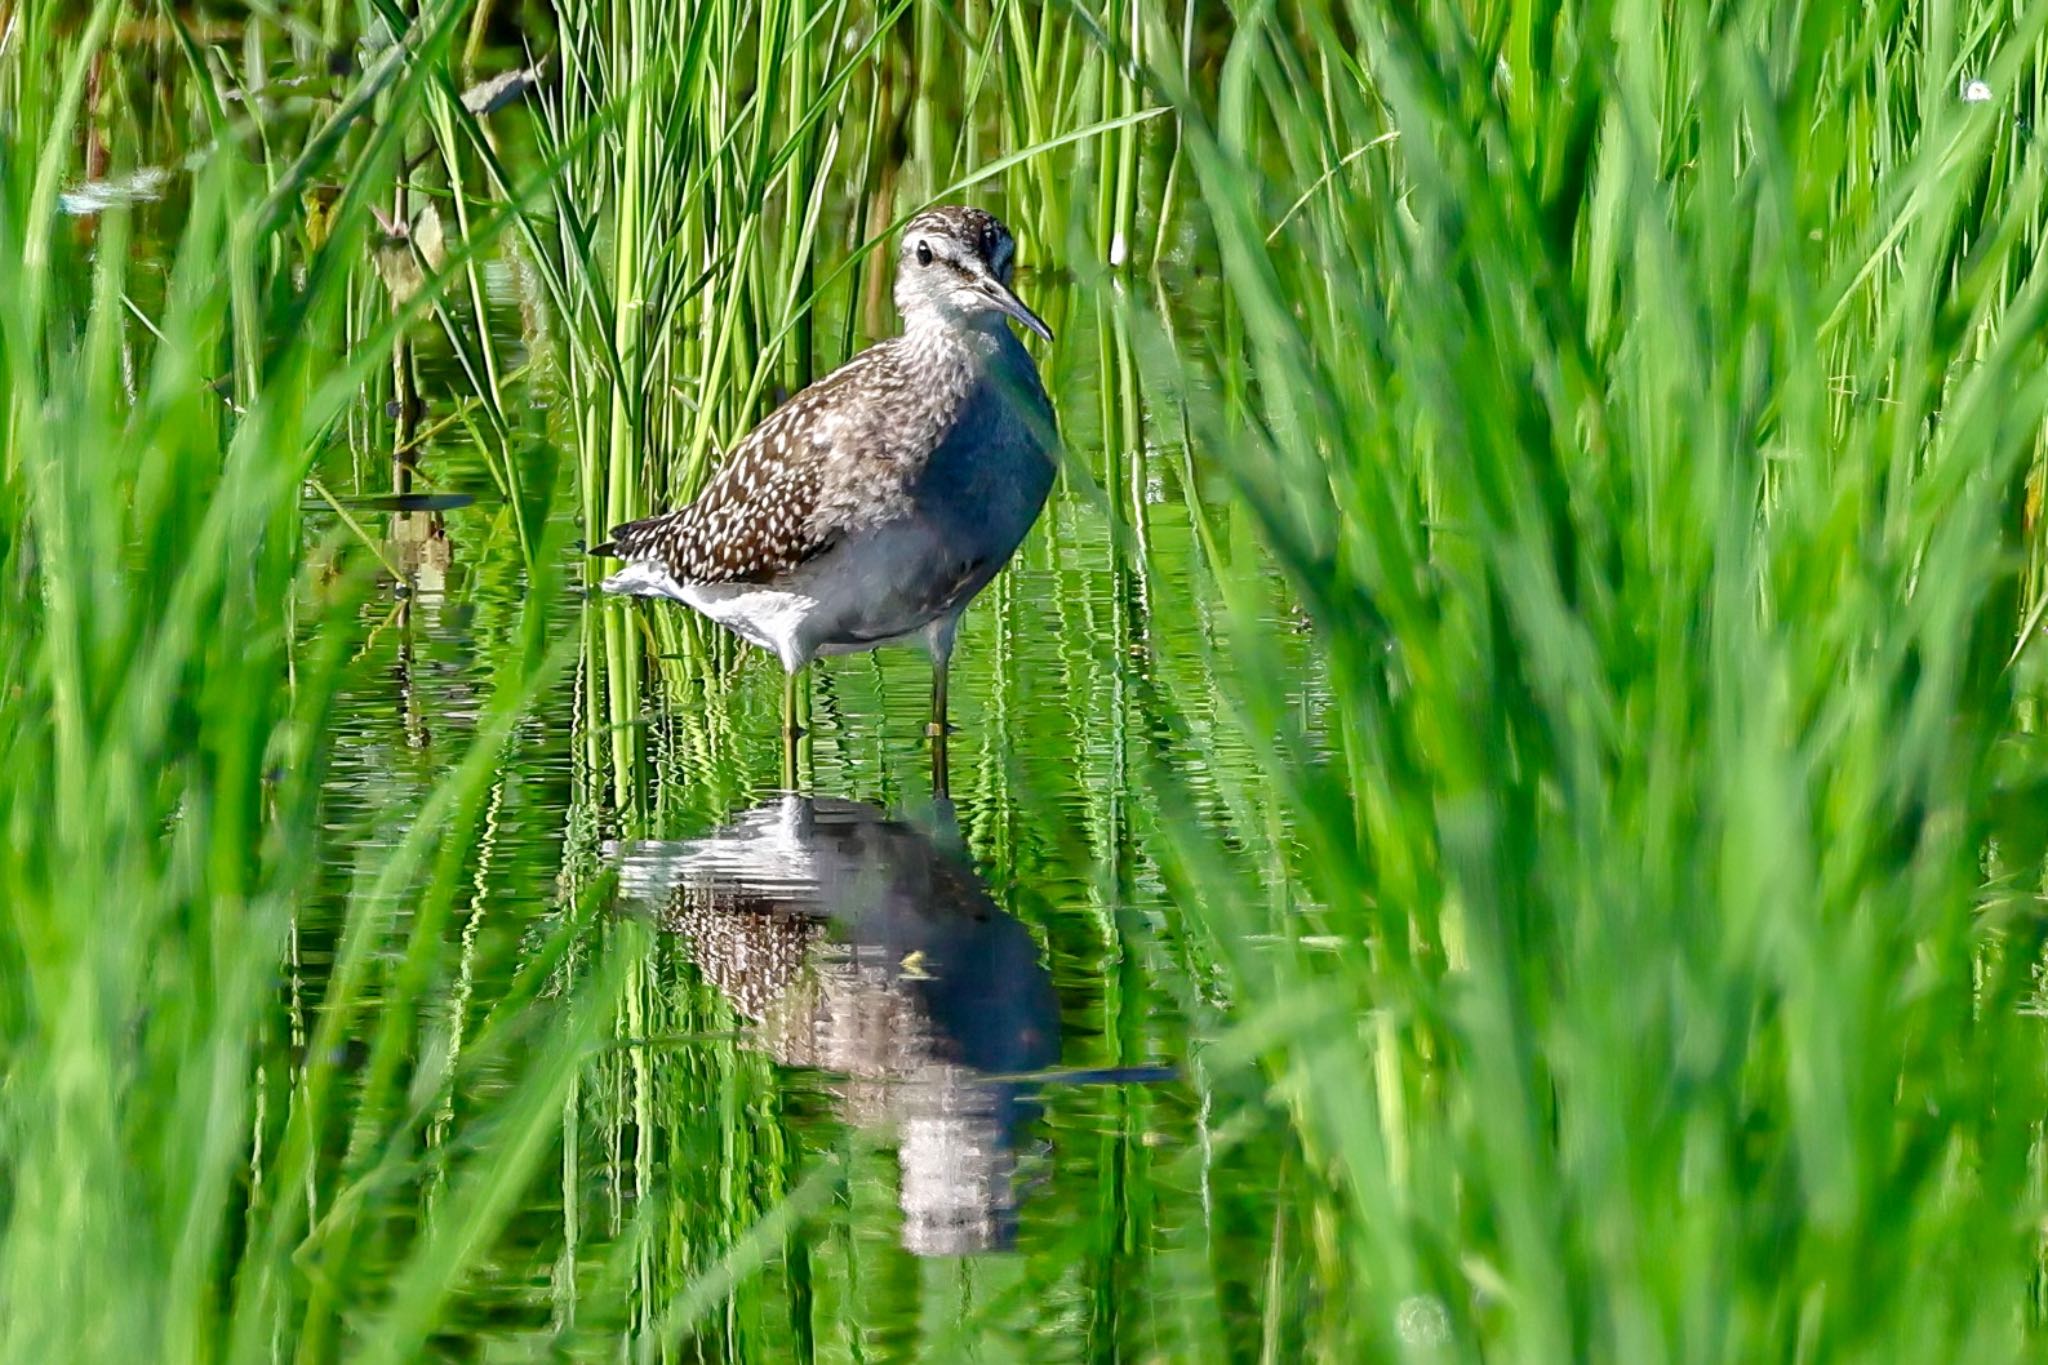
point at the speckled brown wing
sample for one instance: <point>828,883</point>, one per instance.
<point>774,504</point>
<point>754,522</point>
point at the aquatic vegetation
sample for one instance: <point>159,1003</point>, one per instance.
<point>1512,747</point>
<point>1650,431</point>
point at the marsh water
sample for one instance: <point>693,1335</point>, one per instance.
<point>961,1039</point>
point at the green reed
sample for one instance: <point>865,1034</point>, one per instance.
<point>1643,405</point>
<point>192,1165</point>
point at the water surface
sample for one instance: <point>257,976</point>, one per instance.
<point>975,1025</point>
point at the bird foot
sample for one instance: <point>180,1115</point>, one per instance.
<point>937,729</point>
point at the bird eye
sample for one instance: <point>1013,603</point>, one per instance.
<point>924,253</point>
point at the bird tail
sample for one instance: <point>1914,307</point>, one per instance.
<point>631,539</point>
<point>636,544</point>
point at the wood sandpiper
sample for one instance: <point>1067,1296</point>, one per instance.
<point>871,508</point>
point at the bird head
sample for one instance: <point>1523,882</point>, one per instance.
<point>955,267</point>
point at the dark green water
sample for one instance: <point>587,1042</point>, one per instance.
<point>969,1036</point>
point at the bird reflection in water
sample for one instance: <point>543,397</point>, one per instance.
<point>861,945</point>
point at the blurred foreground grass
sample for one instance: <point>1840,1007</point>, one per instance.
<point>1649,432</point>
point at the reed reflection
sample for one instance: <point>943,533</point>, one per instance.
<point>863,946</point>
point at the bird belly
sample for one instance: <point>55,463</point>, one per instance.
<point>770,616</point>
<point>767,615</point>
<point>882,587</point>
<point>976,503</point>
<point>873,589</point>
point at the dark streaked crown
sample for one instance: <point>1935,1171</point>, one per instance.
<point>977,230</point>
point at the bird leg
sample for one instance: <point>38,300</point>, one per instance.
<point>942,777</point>
<point>790,729</point>
<point>936,726</point>
<point>938,642</point>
